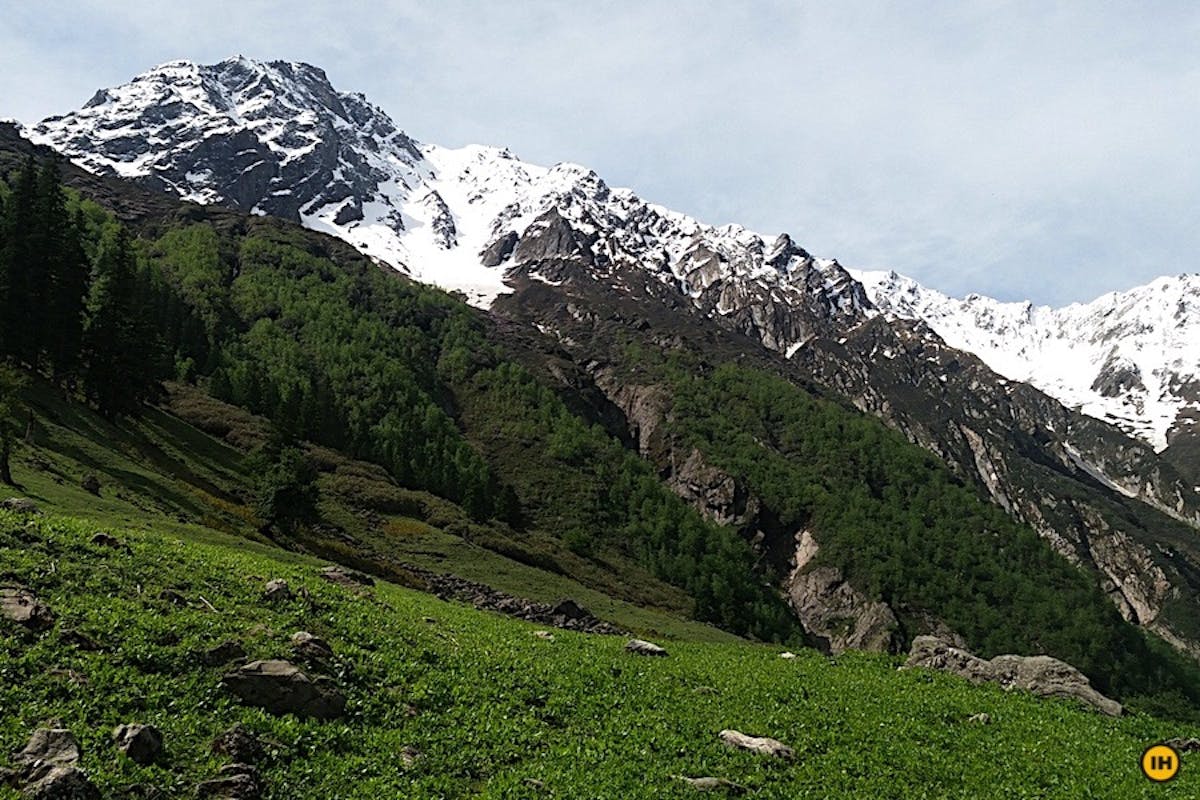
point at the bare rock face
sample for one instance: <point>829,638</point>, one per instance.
<point>24,608</point>
<point>281,687</point>
<point>142,743</point>
<point>713,492</point>
<point>644,648</point>
<point>1041,675</point>
<point>756,744</point>
<point>832,611</point>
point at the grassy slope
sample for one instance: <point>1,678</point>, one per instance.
<point>162,473</point>
<point>489,705</point>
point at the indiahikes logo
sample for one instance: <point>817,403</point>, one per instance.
<point>1160,763</point>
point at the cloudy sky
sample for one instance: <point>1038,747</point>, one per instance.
<point>1019,149</point>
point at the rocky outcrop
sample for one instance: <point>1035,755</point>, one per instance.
<point>566,614</point>
<point>1041,675</point>
<point>310,647</point>
<point>47,768</point>
<point>762,745</point>
<point>50,745</point>
<point>640,647</point>
<point>836,615</point>
<point>277,591</point>
<point>24,608</point>
<point>711,784</point>
<point>20,505</point>
<point>141,743</point>
<point>233,782</point>
<point>714,493</point>
<point>280,687</point>
<point>240,744</point>
<point>335,573</point>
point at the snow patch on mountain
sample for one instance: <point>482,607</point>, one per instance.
<point>1130,358</point>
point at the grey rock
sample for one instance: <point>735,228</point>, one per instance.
<point>834,612</point>
<point>50,745</point>
<point>1184,744</point>
<point>500,250</point>
<point>1041,675</point>
<point>710,784</point>
<point>310,646</point>
<point>24,608</point>
<point>551,236</point>
<point>569,610</point>
<point>59,782</point>
<point>277,590</point>
<point>240,744</point>
<point>141,743</point>
<point>409,755</point>
<point>21,505</point>
<point>280,687</point>
<point>91,485</point>
<point>233,782</point>
<point>346,577</point>
<point>223,653</point>
<point>762,745</point>
<point>643,648</point>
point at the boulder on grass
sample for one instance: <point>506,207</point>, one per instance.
<point>233,782</point>
<point>141,743</point>
<point>24,608</point>
<point>21,505</point>
<point>643,648</point>
<point>756,744</point>
<point>280,687</point>
<point>1041,675</point>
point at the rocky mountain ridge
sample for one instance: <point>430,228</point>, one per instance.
<point>1130,358</point>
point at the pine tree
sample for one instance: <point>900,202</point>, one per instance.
<point>113,377</point>
<point>15,332</point>
<point>68,276</point>
<point>11,384</point>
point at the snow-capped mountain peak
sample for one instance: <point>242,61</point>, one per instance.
<point>277,138</point>
<point>1131,358</point>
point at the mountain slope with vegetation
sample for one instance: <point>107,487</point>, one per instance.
<point>446,701</point>
<point>468,438</point>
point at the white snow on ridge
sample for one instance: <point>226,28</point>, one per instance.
<point>1149,334</point>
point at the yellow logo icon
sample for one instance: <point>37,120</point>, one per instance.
<point>1160,763</point>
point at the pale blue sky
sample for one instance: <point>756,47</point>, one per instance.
<point>1020,149</point>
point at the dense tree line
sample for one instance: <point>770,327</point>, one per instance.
<point>72,296</point>
<point>906,531</point>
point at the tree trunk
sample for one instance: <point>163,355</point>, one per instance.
<point>5,473</point>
